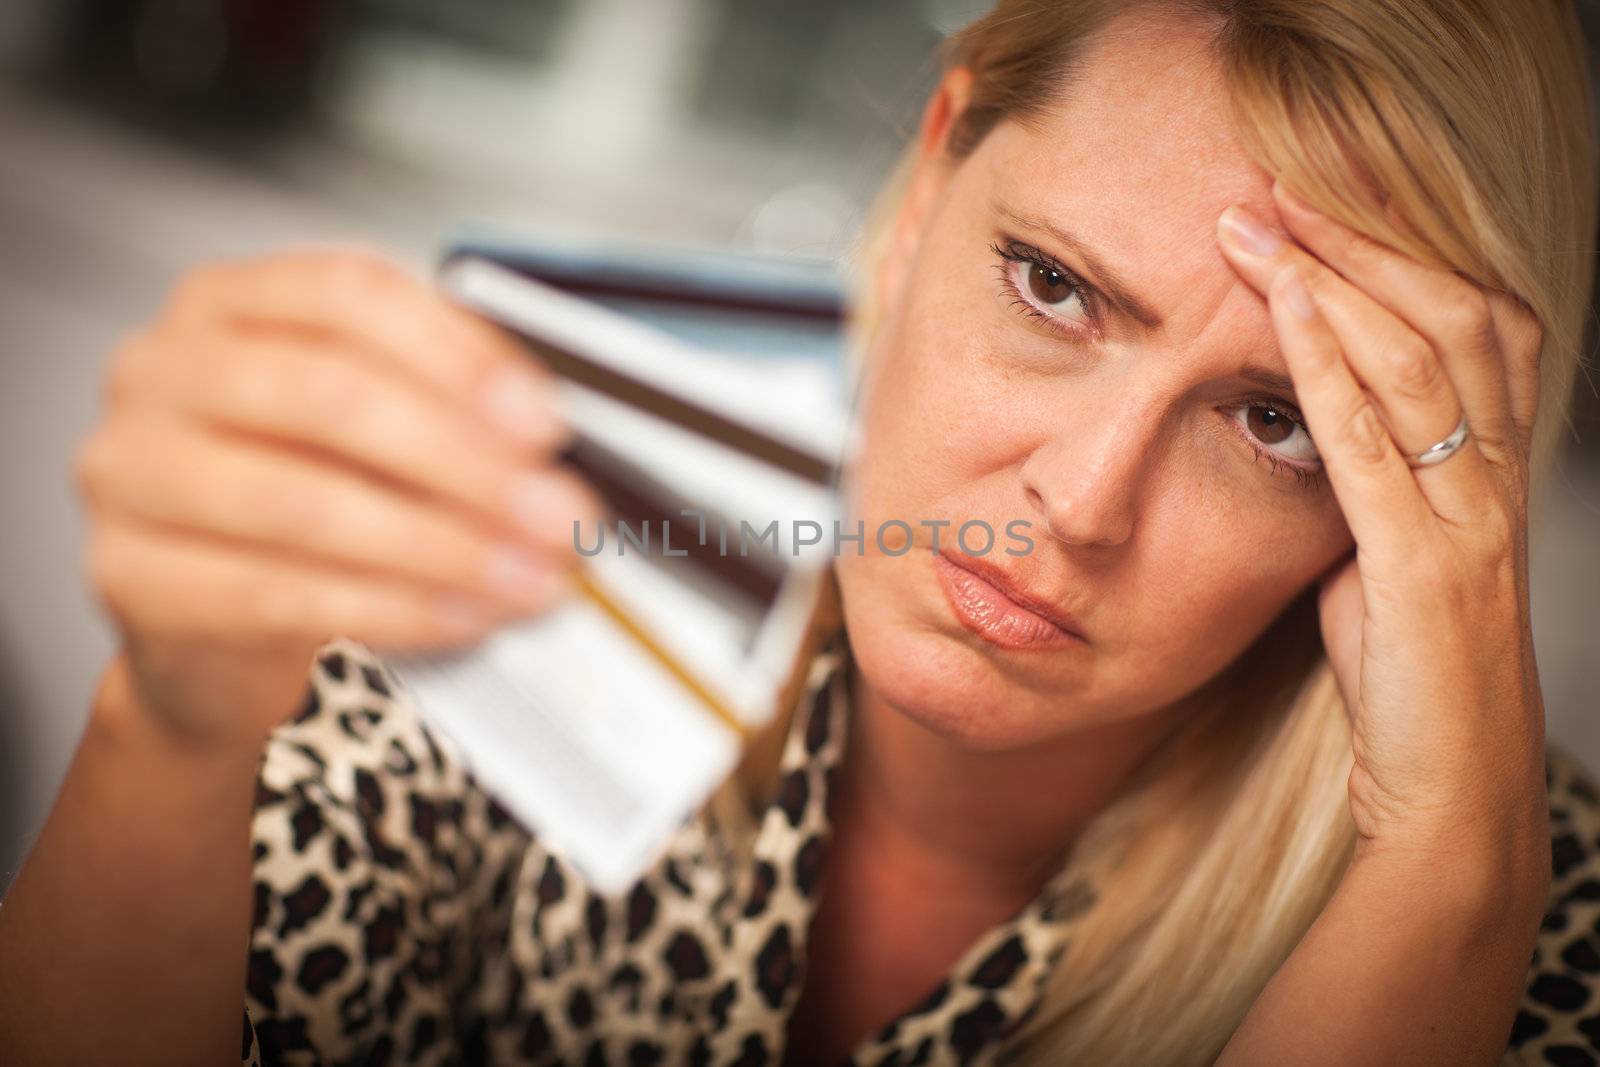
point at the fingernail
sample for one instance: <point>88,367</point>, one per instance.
<point>520,406</point>
<point>1295,295</point>
<point>1247,234</point>
<point>541,505</point>
<point>516,574</point>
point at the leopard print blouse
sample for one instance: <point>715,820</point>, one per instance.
<point>402,916</point>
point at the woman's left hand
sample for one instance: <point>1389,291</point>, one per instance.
<point>1427,625</point>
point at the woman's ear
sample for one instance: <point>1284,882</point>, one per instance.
<point>929,174</point>
<point>944,106</point>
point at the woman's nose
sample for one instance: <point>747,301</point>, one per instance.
<point>1084,483</point>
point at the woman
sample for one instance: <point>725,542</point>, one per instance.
<point>1242,763</point>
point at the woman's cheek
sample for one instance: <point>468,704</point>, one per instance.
<point>1263,527</point>
<point>1210,577</point>
<point>920,431</point>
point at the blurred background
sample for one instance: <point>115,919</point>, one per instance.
<point>138,137</point>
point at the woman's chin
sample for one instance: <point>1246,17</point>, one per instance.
<point>952,688</point>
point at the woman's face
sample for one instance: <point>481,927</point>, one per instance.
<point>1065,344</point>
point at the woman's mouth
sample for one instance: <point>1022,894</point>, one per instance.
<point>982,608</point>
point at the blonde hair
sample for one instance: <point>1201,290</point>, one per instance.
<point>1472,118</point>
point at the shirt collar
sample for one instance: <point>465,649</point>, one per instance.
<point>995,984</point>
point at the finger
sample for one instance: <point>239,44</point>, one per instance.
<point>1380,498</point>
<point>1341,605</point>
<point>167,584</point>
<point>1450,313</point>
<point>1522,340</point>
<point>286,504</point>
<point>386,312</point>
<point>311,394</point>
<point>1406,380</point>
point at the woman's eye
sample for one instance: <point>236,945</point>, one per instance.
<point>1048,286</point>
<point>1278,431</point>
<point>1050,292</point>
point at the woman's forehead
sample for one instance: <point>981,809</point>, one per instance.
<point>1146,122</point>
<point>1147,218</point>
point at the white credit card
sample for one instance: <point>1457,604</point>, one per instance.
<point>605,722</point>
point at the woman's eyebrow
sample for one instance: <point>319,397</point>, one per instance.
<point>1098,274</point>
<point>1281,383</point>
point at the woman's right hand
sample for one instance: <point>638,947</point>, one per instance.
<point>309,445</point>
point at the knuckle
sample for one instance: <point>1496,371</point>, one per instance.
<point>268,387</point>
<point>1416,371</point>
<point>1532,405</point>
<point>349,276</point>
<point>382,427</point>
<point>358,271</point>
<point>291,513</point>
<point>1492,441</point>
<point>335,394</point>
<point>1506,513</point>
<point>195,291</point>
<point>1519,323</point>
<point>255,496</point>
<point>1365,436</point>
<point>93,461</point>
<point>126,368</point>
<point>1466,312</point>
<point>1532,336</point>
<point>1522,429</point>
<point>1493,572</point>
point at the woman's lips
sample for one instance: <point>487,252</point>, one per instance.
<point>993,616</point>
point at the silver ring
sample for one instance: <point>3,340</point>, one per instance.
<point>1442,451</point>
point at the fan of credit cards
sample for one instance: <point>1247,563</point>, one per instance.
<point>708,411</point>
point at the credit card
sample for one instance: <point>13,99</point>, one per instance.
<point>607,721</point>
